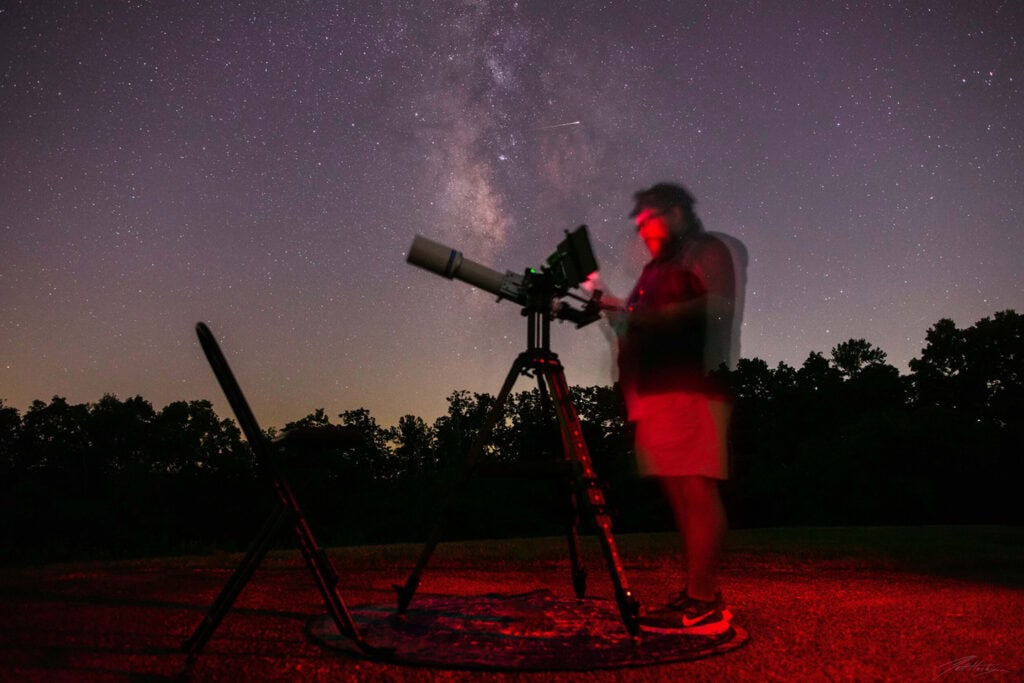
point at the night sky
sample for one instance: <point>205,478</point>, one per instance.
<point>264,167</point>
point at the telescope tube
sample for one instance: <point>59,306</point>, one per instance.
<point>437,258</point>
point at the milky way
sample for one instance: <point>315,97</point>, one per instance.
<point>264,167</point>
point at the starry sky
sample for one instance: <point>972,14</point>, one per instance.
<point>264,166</point>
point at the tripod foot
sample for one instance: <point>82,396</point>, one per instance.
<point>629,608</point>
<point>405,594</point>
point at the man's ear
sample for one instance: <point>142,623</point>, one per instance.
<point>677,220</point>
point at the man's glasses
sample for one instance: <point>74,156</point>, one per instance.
<point>649,217</point>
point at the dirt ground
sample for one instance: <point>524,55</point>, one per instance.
<point>809,619</point>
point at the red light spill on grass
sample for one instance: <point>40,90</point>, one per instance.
<point>848,615</point>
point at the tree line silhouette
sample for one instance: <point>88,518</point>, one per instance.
<point>843,439</point>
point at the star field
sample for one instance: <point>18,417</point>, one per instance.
<point>264,168</point>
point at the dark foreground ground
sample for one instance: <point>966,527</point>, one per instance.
<point>907,604</point>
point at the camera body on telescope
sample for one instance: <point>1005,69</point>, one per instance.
<point>540,290</point>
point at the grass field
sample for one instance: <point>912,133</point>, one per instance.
<point>887,603</point>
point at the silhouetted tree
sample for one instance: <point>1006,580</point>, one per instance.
<point>817,376</point>
<point>843,439</point>
<point>852,357</point>
<point>937,373</point>
<point>414,450</point>
<point>54,438</point>
<point>968,392</point>
<point>528,432</point>
<point>995,349</point>
<point>978,370</point>
<point>373,456</point>
<point>120,433</point>
<point>10,435</point>
<point>765,413</point>
<point>751,380</point>
<point>318,418</point>
<point>456,430</point>
<point>609,439</point>
<point>601,407</point>
<point>190,438</point>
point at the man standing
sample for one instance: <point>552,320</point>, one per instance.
<point>682,321</point>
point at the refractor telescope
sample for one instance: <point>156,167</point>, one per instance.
<point>539,292</point>
<point>536,290</point>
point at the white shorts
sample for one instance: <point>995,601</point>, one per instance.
<point>682,434</point>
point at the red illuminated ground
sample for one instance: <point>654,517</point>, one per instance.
<point>820,604</point>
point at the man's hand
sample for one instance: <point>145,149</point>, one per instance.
<point>612,307</point>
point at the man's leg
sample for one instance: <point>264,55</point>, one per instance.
<point>700,519</point>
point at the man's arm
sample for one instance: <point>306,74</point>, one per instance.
<point>714,268</point>
<point>670,316</point>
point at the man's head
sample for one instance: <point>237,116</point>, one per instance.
<point>663,214</point>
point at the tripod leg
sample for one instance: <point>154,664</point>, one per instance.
<point>590,491</point>
<point>195,643</point>
<point>324,573</point>
<point>323,570</point>
<point>406,592</point>
<point>579,574</point>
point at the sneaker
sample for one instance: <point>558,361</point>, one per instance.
<point>689,616</point>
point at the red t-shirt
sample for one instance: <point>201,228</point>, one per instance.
<point>678,358</point>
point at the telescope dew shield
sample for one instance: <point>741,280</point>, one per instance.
<point>437,258</point>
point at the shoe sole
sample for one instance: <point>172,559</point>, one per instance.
<point>709,629</point>
<point>712,629</point>
<point>726,614</point>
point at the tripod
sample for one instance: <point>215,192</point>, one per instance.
<point>539,361</point>
<point>286,511</point>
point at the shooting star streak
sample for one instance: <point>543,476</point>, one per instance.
<point>558,125</point>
